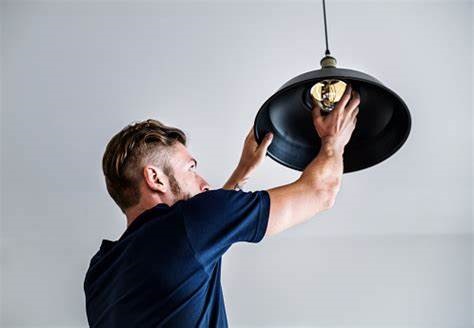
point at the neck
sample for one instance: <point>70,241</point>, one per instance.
<point>145,204</point>
<point>135,211</point>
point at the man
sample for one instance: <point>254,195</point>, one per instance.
<point>165,269</point>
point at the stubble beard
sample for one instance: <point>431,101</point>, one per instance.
<point>176,190</point>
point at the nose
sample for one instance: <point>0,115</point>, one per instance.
<point>205,186</point>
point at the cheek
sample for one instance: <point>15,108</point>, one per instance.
<point>191,181</point>
<point>197,181</point>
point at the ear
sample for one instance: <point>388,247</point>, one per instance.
<point>155,179</point>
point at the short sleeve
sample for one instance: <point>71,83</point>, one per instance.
<point>216,219</point>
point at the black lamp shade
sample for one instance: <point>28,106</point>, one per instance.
<point>383,122</point>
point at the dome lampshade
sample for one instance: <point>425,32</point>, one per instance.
<point>383,121</point>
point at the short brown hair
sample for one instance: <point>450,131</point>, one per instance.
<point>126,153</point>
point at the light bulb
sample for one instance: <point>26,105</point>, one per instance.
<point>327,93</point>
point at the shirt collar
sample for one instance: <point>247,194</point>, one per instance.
<point>145,216</point>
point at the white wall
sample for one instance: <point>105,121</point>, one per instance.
<point>395,250</point>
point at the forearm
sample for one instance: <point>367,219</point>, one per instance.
<point>238,178</point>
<point>324,173</point>
<point>315,191</point>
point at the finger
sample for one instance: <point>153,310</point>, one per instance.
<point>345,98</point>
<point>267,140</point>
<point>354,102</point>
<point>354,112</point>
<point>251,140</point>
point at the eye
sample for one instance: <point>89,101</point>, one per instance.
<point>193,167</point>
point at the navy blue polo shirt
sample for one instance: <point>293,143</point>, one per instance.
<point>165,270</point>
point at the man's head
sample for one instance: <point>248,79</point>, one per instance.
<point>147,163</point>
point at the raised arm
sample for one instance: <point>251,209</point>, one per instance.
<point>316,189</point>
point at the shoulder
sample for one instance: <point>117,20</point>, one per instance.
<point>223,202</point>
<point>223,197</point>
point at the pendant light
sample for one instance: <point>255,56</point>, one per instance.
<point>383,121</point>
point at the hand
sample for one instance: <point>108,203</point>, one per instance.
<point>252,155</point>
<point>336,128</point>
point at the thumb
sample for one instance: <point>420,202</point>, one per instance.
<point>316,110</point>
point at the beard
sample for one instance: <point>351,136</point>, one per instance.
<point>176,190</point>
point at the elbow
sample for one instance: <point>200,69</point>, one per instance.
<point>325,192</point>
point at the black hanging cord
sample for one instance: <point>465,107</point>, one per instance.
<point>325,28</point>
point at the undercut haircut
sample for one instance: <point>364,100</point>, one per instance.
<point>127,153</point>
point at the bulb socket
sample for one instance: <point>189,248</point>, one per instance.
<point>328,61</point>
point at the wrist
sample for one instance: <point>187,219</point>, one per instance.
<point>331,147</point>
<point>242,172</point>
<point>244,166</point>
<point>238,178</point>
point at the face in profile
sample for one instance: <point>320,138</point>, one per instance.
<point>184,181</point>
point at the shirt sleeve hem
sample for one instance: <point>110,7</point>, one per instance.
<point>263,217</point>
